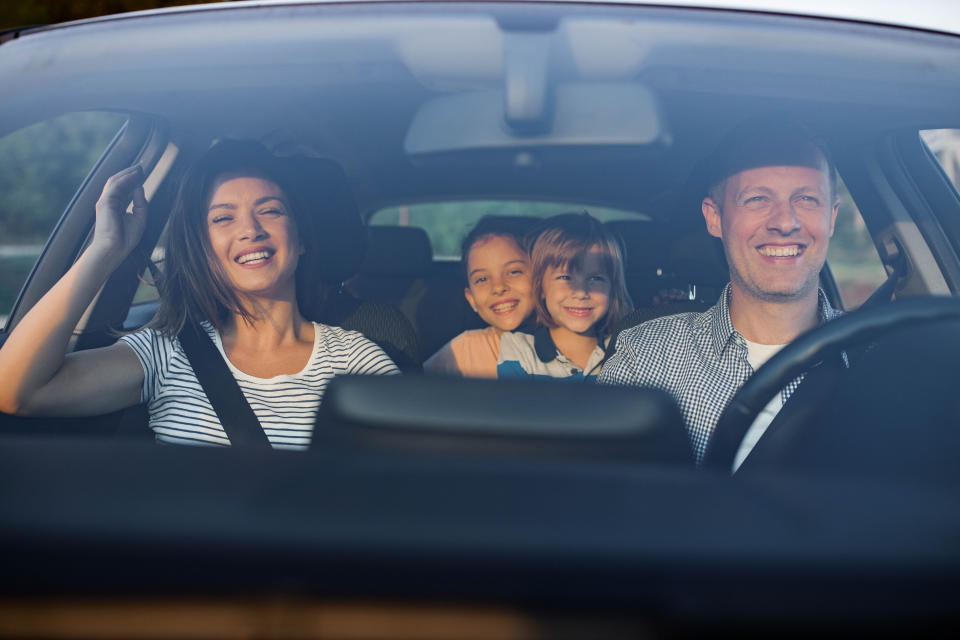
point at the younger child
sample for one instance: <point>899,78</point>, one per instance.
<point>498,288</point>
<point>581,296</point>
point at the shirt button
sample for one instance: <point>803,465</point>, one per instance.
<point>574,372</point>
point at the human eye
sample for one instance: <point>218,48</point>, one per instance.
<point>273,211</point>
<point>808,201</point>
<point>220,218</point>
<point>755,202</point>
<point>479,280</point>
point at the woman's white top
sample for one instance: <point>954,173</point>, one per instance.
<point>286,405</point>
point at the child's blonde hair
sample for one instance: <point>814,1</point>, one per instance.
<point>562,241</point>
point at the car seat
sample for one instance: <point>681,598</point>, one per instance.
<point>320,186</point>
<point>695,265</point>
<point>645,257</point>
<point>396,262</point>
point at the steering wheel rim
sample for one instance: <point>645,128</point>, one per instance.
<point>849,330</point>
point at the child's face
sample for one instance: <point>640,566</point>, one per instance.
<point>578,299</point>
<point>498,273</point>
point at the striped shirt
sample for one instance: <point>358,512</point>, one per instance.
<point>286,405</point>
<point>699,358</point>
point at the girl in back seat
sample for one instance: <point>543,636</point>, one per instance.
<point>498,288</point>
<point>581,297</point>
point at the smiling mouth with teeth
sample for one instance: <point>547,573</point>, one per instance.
<point>254,256</point>
<point>780,252</point>
<point>504,307</point>
<point>579,311</point>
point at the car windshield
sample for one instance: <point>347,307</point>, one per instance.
<point>627,370</point>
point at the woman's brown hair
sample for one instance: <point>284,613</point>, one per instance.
<point>561,242</point>
<point>194,287</point>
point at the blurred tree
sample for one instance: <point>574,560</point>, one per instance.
<point>36,12</point>
<point>41,167</point>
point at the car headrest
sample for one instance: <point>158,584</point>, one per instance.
<point>397,251</point>
<point>698,258</point>
<point>642,242</point>
<point>518,417</point>
<point>321,189</point>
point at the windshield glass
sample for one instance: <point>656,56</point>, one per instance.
<point>516,283</point>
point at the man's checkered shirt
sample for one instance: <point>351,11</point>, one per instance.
<point>699,358</point>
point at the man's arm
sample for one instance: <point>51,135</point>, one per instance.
<point>623,367</point>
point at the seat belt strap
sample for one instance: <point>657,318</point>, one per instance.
<point>236,417</point>
<point>884,292</point>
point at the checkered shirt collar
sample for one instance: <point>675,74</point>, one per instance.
<point>717,320</point>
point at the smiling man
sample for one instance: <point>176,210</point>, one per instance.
<point>772,201</point>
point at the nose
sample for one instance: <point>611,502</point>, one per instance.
<point>499,286</point>
<point>580,288</point>
<point>783,219</point>
<point>252,229</point>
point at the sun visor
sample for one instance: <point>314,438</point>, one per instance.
<point>578,114</point>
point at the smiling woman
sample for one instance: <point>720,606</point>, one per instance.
<point>233,257</point>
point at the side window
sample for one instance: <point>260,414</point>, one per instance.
<point>41,167</point>
<point>447,223</point>
<point>853,258</point>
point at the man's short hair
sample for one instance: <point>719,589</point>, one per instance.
<point>766,142</point>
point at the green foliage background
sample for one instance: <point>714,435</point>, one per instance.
<point>41,167</point>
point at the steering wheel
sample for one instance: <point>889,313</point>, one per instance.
<point>845,332</point>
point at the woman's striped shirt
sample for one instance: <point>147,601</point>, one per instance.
<point>286,405</point>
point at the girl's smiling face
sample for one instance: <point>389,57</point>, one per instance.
<point>499,286</point>
<point>577,299</point>
<point>253,235</point>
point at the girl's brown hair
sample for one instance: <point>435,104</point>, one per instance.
<point>561,242</point>
<point>194,287</point>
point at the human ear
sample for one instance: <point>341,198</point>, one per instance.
<point>469,296</point>
<point>833,216</point>
<point>711,215</point>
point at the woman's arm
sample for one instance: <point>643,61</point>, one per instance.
<point>38,379</point>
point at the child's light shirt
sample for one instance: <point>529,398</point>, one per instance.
<point>472,354</point>
<point>526,355</point>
